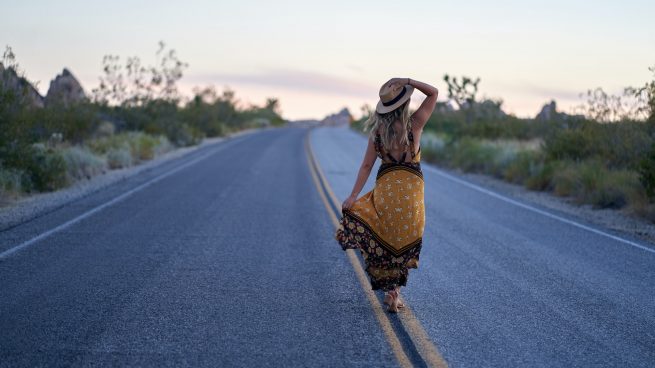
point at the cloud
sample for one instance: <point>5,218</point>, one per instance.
<point>307,81</point>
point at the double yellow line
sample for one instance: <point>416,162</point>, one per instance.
<point>410,324</point>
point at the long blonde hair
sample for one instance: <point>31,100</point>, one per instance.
<point>383,124</point>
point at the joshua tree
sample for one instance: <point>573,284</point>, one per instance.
<point>463,94</point>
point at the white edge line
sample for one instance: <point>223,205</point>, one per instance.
<point>115,200</point>
<point>533,209</point>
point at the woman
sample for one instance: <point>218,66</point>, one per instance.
<point>386,224</point>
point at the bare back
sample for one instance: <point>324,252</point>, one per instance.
<point>397,153</point>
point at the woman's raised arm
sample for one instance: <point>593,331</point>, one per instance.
<point>424,111</point>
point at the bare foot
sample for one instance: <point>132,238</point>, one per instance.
<point>387,298</point>
<point>394,301</point>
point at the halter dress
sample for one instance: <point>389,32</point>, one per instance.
<point>387,223</point>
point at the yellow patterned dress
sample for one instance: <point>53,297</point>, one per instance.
<point>386,224</point>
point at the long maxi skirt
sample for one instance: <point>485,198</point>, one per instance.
<point>386,224</point>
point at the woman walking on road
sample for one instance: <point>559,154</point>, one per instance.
<point>386,224</point>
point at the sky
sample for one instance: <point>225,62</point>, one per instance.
<point>318,57</point>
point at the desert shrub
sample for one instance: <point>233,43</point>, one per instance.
<point>75,123</point>
<point>433,147</point>
<point>470,155</point>
<point>140,146</point>
<point>522,166</point>
<point>618,145</point>
<point>565,179</point>
<point>163,145</point>
<point>105,129</point>
<point>567,144</point>
<point>507,151</point>
<point>513,159</point>
<point>616,189</point>
<point>81,163</point>
<point>183,135</point>
<point>11,181</point>
<point>592,183</point>
<point>103,145</point>
<point>646,169</point>
<point>541,175</point>
<point>46,169</point>
<point>143,146</point>
<point>433,140</point>
<point>642,207</point>
<point>118,158</point>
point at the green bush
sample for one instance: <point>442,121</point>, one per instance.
<point>140,146</point>
<point>616,189</point>
<point>11,181</point>
<point>81,163</point>
<point>46,169</point>
<point>183,135</point>
<point>618,145</point>
<point>592,183</point>
<point>646,169</point>
<point>565,180</point>
<point>433,147</point>
<point>470,155</point>
<point>143,147</point>
<point>522,166</point>
<point>118,158</point>
<point>541,175</point>
<point>510,159</point>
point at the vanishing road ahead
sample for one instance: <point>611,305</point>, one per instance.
<point>226,257</point>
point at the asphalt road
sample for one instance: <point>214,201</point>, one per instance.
<point>503,283</point>
<point>225,257</point>
<point>229,261</point>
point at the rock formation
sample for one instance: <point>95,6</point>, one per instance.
<point>65,90</point>
<point>11,81</point>
<point>343,117</point>
<point>549,113</point>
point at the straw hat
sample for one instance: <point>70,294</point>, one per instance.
<point>392,96</point>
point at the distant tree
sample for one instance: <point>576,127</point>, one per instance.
<point>633,104</point>
<point>607,108</point>
<point>134,84</point>
<point>463,93</point>
<point>646,96</point>
<point>273,104</point>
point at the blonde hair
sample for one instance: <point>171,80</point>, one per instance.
<point>383,124</point>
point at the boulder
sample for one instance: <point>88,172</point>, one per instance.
<point>65,90</point>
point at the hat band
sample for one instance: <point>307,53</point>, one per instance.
<point>396,99</point>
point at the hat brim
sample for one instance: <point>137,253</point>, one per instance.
<point>381,109</point>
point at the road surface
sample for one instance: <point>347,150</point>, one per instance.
<point>225,257</point>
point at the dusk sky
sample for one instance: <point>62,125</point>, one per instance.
<point>317,57</point>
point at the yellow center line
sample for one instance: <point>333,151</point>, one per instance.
<point>412,325</point>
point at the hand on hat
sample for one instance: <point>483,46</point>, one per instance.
<point>400,81</point>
